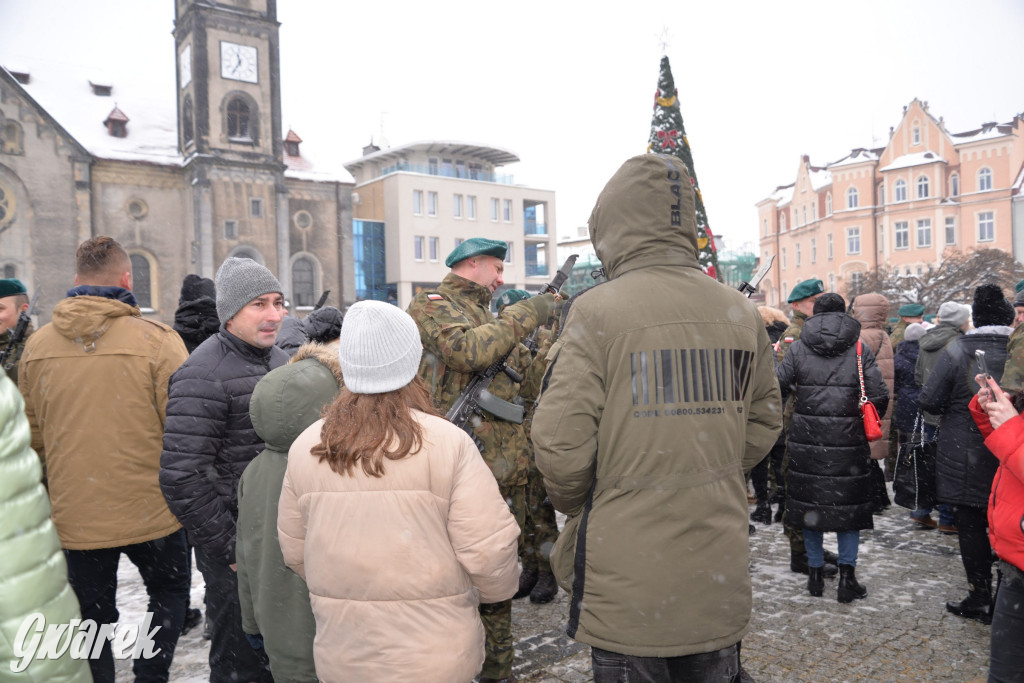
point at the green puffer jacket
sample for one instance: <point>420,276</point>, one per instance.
<point>33,574</point>
<point>274,599</point>
<point>661,393</point>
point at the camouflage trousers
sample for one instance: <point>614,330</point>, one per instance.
<point>540,531</point>
<point>497,617</point>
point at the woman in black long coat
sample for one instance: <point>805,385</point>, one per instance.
<point>829,483</point>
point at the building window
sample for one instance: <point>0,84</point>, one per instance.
<point>782,222</point>
<point>304,282</point>
<point>457,206</point>
<point>950,230</point>
<point>494,209</point>
<point>368,260</point>
<point>814,250</point>
<point>901,233</point>
<point>471,207</point>
<point>917,135</point>
<point>506,213</point>
<point>303,219</point>
<point>986,226</point>
<point>785,291</point>
<point>853,240</point>
<point>852,198</point>
<point>417,248</point>
<point>256,207</point>
<point>881,238</point>
<point>12,138</point>
<point>828,204</point>
<point>239,119</point>
<point>417,202</point>
<point>137,208</point>
<point>797,254</point>
<point>508,252</point>
<point>922,187</point>
<point>782,258</point>
<point>188,128</point>
<point>924,232</point>
<point>142,285</point>
<point>230,230</point>
<point>984,180</point>
<point>856,281</point>
<point>901,190</point>
<point>460,169</point>
<point>831,282</point>
<point>881,194</point>
<point>434,248</point>
<point>447,169</point>
<point>431,203</point>
<point>805,215</point>
<point>829,246</point>
<point>458,241</point>
<point>954,185</point>
<point>10,271</point>
<point>432,166</point>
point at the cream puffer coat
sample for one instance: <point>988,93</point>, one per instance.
<point>872,310</point>
<point>397,565</point>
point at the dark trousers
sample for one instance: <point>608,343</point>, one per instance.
<point>1007,637</point>
<point>975,548</point>
<point>232,659</point>
<point>611,667</point>
<point>164,569</point>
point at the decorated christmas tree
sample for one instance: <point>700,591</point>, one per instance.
<point>668,136</point>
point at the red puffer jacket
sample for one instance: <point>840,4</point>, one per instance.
<point>1006,502</point>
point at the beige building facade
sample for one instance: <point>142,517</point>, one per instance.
<point>902,205</point>
<point>427,197</point>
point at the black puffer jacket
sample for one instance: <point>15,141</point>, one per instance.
<point>964,467</point>
<point>829,483</point>
<point>907,391</point>
<point>209,438</point>
<point>196,321</point>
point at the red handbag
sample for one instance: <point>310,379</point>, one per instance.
<point>872,423</point>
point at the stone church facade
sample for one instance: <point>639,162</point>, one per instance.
<point>183,180</point>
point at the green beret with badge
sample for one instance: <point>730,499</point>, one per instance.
<point>911,311</point>
<point>805,289</point>
<point>11,286</point>
<point>477,246</point>
<point>511,296</point>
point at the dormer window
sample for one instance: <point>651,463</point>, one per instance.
<point>117,123</point>
<point>291,144</point>
<point>101,90</point>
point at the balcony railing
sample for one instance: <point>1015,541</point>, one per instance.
<point>532,227</point>
<point>536,269</point>
<point>448,173</point>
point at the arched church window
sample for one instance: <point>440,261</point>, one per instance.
<point>11,138</point>
<point>303,282</point>
<point>7,205</point>
<point>142,285</point>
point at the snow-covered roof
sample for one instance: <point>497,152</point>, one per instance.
<point>986,132</point>
<point>820,178</point>
<point>782,195</point>
<point>470,150</point>
<point>915,159</point>
<point>856,156</point>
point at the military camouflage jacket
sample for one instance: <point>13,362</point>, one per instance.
<point>791,334</point>
<point>15,356</point>
<point>1013,373</point>
<point>460,336</point>
<point>898,330</point>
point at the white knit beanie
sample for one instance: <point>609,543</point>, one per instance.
<point>379,348</point>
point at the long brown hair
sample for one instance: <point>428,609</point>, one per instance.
<point>363,428</point>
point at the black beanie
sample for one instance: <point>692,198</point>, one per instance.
<point>323,325</point>
<point>830,302</point>
<point>990,307</point>
<point>195,287</point>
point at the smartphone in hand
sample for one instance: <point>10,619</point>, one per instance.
<point>979,355</point>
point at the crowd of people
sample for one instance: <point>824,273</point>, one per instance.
<point>345,530</point>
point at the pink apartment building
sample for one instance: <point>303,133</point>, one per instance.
<point>902,205</point>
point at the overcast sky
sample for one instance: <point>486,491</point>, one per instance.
<point>569,87</point>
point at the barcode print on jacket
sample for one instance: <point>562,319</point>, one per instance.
<point>670,376</point>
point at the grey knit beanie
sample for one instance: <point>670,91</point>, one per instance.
<point>379,348</point>
<point>914,332</point>
<point>239,281</point>
<point>953,313</point>
<point>1018,299</point>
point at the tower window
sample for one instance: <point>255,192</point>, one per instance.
<point>238,119</point>
<point>188,128</point>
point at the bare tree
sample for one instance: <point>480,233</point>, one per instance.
<point>954,279</point>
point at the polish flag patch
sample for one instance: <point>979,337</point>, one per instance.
<point>434,297</point>
<point>788,339</point>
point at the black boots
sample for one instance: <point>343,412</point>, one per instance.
<point>762,513</point>
<point>527,580</point>
<point>815,581</point>
<point>977,605</point>
<point>545,590</point>
<point>849,589</point>
<point>798,564</point>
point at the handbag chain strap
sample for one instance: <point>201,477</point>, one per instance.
<point>860,373</point>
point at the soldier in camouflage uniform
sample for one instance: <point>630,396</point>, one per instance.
<point>1013,372</point>
<point>540,530</point>
<point>13,300</point>
<point>460,337</point>
<point>802,300</point>
<point>908,313</point>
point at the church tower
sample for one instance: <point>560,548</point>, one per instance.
<point>229,131</point>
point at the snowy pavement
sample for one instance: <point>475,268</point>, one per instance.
<point>900,632</point>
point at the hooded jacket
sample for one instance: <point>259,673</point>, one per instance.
<point>930,347</point>
<point>907,392</point>
<point>95,388</point>
<point>396,565</point>
<point>964,468</point>
<point>33,573</point>
<point>660,394</point>
<point>273,598</point>
<point>1006,502</point>
<point>829,481</point>
<point>196,321</point>
<point>872,311</point>
<point>209,438</point>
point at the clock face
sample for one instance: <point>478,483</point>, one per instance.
<point>186,66</point>
<point>238,62</point>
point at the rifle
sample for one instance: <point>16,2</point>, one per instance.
<point>24,320</point>
<point>322,301</point>
<point>475,397</point>
<point>748,288</point>
<point>553,287</point>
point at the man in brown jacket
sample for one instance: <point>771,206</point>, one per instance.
<point>660,394</point>
<point>95,388</point>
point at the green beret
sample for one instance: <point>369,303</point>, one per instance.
<point>476,246</point>
<point>929,318</point>
<point>1019,286</point>
<point>911,310</point>
<point>11,286</point>
<point>512,296</point>
<point>805,289</point>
